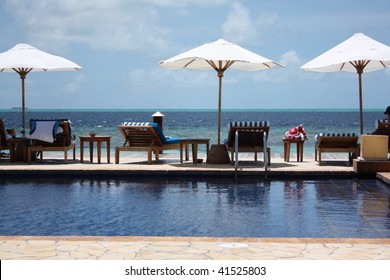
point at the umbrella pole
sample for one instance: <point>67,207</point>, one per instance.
<point>22,73</point>
<point>220,75</point>
<point>360,65</point>
<point>218,154</point>
<point>220,70</point>
<point>360,102</point>
<point>23,108</point>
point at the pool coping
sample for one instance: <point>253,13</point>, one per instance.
<point>16,248</point>
<point>203,239</point>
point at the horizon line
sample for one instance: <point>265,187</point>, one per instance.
<point>191,109</point>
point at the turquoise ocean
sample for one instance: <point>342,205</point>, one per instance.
<point>203,123</point>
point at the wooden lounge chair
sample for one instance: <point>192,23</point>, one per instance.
<point>61,136</point>
<point>3,138</point>
<point>336,143</point>
<point>146,137</point>
<point>251,137</point>
<point>383,128</point>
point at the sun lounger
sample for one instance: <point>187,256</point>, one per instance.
<point>51,135</point>
<point>336,143</point>
<point>250,138</point>
<point>146,137</point>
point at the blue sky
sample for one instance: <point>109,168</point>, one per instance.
<point>119,43</point>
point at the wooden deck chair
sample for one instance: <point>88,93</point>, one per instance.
<point>251,138</point>
<point>336,143</point>
<point>51,135</point>
<point>146,137</point>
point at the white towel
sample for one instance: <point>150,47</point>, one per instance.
<point>44,131</point>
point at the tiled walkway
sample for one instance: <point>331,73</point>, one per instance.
<point>187,248</point>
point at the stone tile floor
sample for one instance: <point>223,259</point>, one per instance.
<point>190,248</point>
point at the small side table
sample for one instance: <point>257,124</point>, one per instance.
<point>98,140</point>
<point>18,149</point>
<point>287,145</point>
<point>194,143</point>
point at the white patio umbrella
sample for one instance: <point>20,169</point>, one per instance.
<point>24,59</point>
<point>357,54</point>
<point>219,56</point>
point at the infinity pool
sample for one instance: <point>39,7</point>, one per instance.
<point>180,207</point>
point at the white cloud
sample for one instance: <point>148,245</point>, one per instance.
<point>100,24</point>
<point>241,27</point>
<point>291,58</point>
<point>238,25</point>
<point>290,73</point>
<point>293,72</point>
<point>183,3</point>
<point>163,80</point>
<point>74,86</point>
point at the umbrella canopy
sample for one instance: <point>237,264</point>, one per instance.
<point>357,54</point>
<point>24,59</point>
<point>219,56</point>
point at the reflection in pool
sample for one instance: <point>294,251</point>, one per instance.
<point>332,208</point>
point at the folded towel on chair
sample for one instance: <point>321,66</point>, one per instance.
<point>44,130</point>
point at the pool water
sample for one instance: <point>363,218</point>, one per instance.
<point>332,208</point>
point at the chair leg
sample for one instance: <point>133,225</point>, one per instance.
<point>29,155</point>
<point>157,154</point>
<point>187,151</point>
<point>116,155</point>
<point>150,156</point>
<point>351,156</point>
<point>269,155</point>
<point>74,152</point>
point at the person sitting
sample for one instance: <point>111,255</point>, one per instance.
<point>387,112</point>
<point>382,127</point>
<point>381,124</point>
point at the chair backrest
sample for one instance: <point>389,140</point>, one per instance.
<point>250,133</point>
<point>3,139</point>
<point>62,137</point>
<point>250,138</point>
<point>337,140</point>
<point>383,125</point>
<point>142,134</point>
